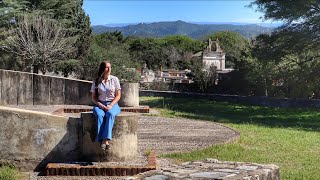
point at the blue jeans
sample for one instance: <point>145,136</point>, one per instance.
<point>105,120</point>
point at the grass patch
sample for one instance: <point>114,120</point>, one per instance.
<point>288,137</point>
<point>9,173</point>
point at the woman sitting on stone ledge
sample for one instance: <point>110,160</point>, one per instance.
<point>106,92</point>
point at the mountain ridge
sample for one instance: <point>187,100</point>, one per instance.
<point>196,31</point>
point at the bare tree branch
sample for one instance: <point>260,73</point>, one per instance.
<point>41,41</point>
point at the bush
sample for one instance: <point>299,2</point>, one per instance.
<point>8,173</point>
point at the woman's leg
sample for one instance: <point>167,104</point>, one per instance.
<point>99,115</point>
<point>110,116</point>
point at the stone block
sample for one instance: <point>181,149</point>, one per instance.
<point>124,141</point>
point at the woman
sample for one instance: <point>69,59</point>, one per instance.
<point>106,92</point>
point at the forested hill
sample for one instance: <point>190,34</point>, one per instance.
<point>160,29</point>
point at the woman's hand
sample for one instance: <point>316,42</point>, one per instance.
<point>108,107</point>
<point>101,106</point>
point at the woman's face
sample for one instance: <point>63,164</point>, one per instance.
<point>108,69</point>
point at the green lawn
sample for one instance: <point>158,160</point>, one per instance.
<point>287,137</point>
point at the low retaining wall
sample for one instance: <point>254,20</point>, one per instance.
<point>22,88</point>
<point>251,100</point>
<point>30,140</point>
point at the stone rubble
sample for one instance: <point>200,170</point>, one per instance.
<point>213,169</point>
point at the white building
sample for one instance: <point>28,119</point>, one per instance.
<point>214,57</point>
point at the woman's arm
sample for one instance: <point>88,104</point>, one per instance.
<point>95,101</point>
<point>115,100</point>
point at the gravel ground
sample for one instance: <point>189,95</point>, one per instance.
<point>163,135</point>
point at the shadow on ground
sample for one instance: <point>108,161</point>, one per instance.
<point>297,118</point>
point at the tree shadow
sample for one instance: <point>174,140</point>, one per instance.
<point>297,118</point>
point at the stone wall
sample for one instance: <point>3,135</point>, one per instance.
<point>21,88</point>
<point>30,139</point>
<point>251,100</point>
<point>215,169</point>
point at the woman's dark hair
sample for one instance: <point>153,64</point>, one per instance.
<point>99,79</point>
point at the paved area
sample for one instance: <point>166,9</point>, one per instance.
<point>168,135</point>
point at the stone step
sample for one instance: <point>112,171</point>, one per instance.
<point>139,109</point>
<point>82,169</point>
<point>96,169</point>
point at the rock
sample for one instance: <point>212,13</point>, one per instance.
<point>157,177</point>
<point>210,160</point>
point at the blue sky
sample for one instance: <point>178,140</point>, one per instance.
<point>113,12</point>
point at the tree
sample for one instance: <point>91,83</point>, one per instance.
<point>9,9</point>
<point>301,18</point>
<point>39,40</point>
<point>184,43</point>
<point>108,46</point>
<point>69,14</point>
<point>236,47</point>
<point>205,79</point>
<point>282,71</point>
<point>293,48</point>
<point>148,51</point>
<point>298,73</point>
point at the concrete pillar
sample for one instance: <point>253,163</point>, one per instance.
<point>129,95</point>
<point>124,138</point>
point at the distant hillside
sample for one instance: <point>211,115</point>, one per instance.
<point>160,29</point>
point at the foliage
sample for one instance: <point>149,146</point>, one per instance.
<point>39,40</point>
<point>172,52</point>
<point>234,45</point>
<point>184,43</point>
<point>282,70</point>
<point>9,9</point>
<point>103,49</point>
<point>69,14</point>
<point>298,72</point>
<point>148,51</point>
<point>8,173</point>
<point>301,18</point>
<point>66,67</point>
<point>205,79</point>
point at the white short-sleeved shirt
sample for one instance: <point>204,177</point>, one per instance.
<point>107,91</point>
